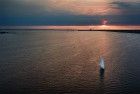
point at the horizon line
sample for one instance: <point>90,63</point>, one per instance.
<point>75,27</point>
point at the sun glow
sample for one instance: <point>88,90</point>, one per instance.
<point>104,22</point>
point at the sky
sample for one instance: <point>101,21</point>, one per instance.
<point>69,12</point>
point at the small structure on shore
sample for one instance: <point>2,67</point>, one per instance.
<point>4,32</point>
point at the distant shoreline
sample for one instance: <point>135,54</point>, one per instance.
<point>3,31</point>
<point>109,28</point>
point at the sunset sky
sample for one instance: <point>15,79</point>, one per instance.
<point>69,12</point>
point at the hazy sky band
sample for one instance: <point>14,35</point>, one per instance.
<point>69,12</point>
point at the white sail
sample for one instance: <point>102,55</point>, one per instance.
<point>101,63</point>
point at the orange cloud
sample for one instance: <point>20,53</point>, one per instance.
<point>84,7</point>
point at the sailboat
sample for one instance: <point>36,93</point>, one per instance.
<point>102,63</point>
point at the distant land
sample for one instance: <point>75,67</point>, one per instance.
<point>119,28</point>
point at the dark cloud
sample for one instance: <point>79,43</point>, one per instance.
<point>129,13</point>
<point>120,5</point>
<point>20,8</point>
<point>132,8</point>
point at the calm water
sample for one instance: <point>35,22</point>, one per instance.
<point>52,62</point>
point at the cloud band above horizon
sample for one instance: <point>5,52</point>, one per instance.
<point>68,12</point>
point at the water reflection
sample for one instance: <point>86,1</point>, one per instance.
<point>101,71</point>
<point>101,82</point>
<point>68,62</point>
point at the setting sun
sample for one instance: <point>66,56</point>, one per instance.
<point>104,22</point>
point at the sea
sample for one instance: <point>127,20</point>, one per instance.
<point>67,62</point>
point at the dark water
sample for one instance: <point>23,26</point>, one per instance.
<point>49,62</point>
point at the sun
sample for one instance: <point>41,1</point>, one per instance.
<point>104,22</point>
